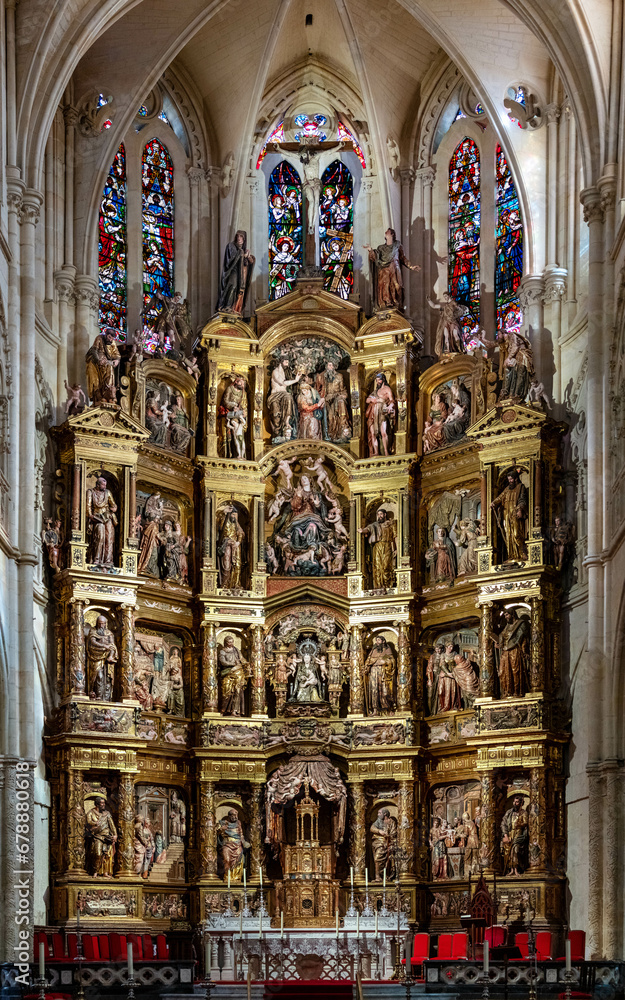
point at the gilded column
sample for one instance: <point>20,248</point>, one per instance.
<point>359,842</point>
<point>259,703</point>
<point>538,493</point>
<point>404,677</point>
<point>132,505</point>
<point>210,687</point>
<point>75,824</point>
<point>538,820</point>
<point>537,661</point>
<point>483,503</point>
<point>208,830</point>
<point>128,652</point>
<point>125,845</point>
<point>405,831</point>
<point>76,494</point>
<point>256,852</point>
<point>77,678</point>
<point>356,691</point>
<point>487,659</point>
<point>489,854</point>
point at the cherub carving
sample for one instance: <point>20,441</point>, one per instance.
<point>73,404</point>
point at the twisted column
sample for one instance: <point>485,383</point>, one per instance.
<point>405,831</point>
<point>538,819</point>
<point>487,659</point>
<point>489,852</point>
<point>208,830</point>
<point>128,652</point>
<point>356,670</point>
<point>404,677</point>
<point>76,679</point>
<point>359,843</point>
<point>125,844</point>
<point>75,823</point>
<point>537,660</point>
<point>259,704</point>
<point>210,686</point>
<point>256,815</point>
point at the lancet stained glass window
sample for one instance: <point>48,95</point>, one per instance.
<point>509,247</point>
<point>157,183</point>
<point>276,136</point>
<point>464,234</point>
<point>285,229</point>
<point>112,246</point>
<point>336,229</point>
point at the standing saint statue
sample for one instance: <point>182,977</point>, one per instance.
<point>101,834</point>
<point>388,260</point>
<point>175,694</point>
<point>177,818</point>
<point>513,501</point>
<point>383,540</point>
<point>515,838</point>
<point>231,843</point>
<point>441,558</point>
<point>101,652</point>
<point>381,416</point>
<point>449,338</point>
<point>467,541</point>
<point>513,646</point>
<point>233,409</point>
<point>380,677</point>
<point>383,832</point>
<point>331,387</point>
<point>281,405</point>
<point>103,358</point>
<point>150,530</point>
<point>233,678</point>
<point>52,539</point>
<point>229,550</point>
<point>236,275</point>
<point>101,522</point>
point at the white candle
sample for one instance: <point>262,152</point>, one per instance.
<point>244,879</point>
<point>42,961</point>
<point>486,948</point>
<point>241,926</point>
<point>376,923</point>
<point>357,923</point>
<point>567,952</point>
<point>351,875</point>
<point>260,872</point>
<point>228,878</point>
<point>131,968</point>
<point>260,924</point>
<point>366,878</point>
<point>384,879</point>
<point>282,924</point>
<point>207,959</point>
<point>337,923</point>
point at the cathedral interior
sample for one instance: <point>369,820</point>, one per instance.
<point>312,479</point>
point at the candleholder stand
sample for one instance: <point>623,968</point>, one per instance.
<point>399,973</point>
<point>367,912</point>
<point>352,909</point>
<point>408,981</point>
<point>132,982</point>
<point>384,912</point>
<point>246,910</point>
<point>228,911</point>
<point>484,978</point>
<point>263,912</point>
<point>41,985</point>
<point>568,980</point>
<point>207,985</point>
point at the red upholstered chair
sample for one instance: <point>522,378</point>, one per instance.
<point>496,936</point>
<point>118,947</point>
<point>148,947</point>
<point>137,946</point>
<point>521,941</point>
<point>543,946</point>
<point>420,951</point>
<point>88,948</point>
<point>460,946</point>
<point>578,946</point>
<point>105,950</point>
<point>444,946</point>
<point>41,936</point>
<point>162,948</point>
<point>58,949</point>
<point>72,945</point>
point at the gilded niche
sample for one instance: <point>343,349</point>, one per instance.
<point>452,673</point>
<point>159,684</point>
<point>164,545</point>
<point>455,830</point>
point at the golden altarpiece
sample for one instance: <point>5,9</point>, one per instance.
<point>307,581</point>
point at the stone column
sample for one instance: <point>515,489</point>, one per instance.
<point>259,701</point>
<point>127,652</point>
<point>75,823</point>
<point>359,832</point>
<point>257,859</point>
<point>11,96</point>
<point>531,299</point>
<point>405,826</point>
<point>538,820</point>
<point>537,661</point>
<point>487,659</point>
<point>210,686</point>
<point>76,681</point>
<point>356,691</point>
<point>555,287</point>
<point>125,833</point>
<point>87,302</point>
<point>404,674</point>
<point>489,849</point>
<point>407,175</point>
<point>422,253</point>
<point>208,830</point>
<point>64,287</point>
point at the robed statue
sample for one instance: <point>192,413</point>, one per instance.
<point>101,836</point>
<point>513,648</point>
<point>231,844</point>
<point>236,275</point>
<point>102,656</point>
<point>233,678</point>
<point>388,260</point>
<point>101,523</point>
<point>515,838</point>
<point>513,502</point>
<point>383,832</point>
<point>382,537</point>
<point>380,677</point>
<point>103,358</point>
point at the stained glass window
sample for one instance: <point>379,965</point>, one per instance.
<point>344,133</point>
<point>102,102</point>
<point>509,247</point>
<point>112,248</point>
<point>157,183</point>
<point>276,136</point>
<point>285,229</point>
<point>336,229</point>
<point>464,234</point>
<point>311,127</point>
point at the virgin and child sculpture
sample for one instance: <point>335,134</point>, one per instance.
<point>307,673</point>
<point>308,536</point>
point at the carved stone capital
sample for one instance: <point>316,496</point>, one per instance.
<point>92,115</point>
<point>64,286</point>
<point>14,200</point>
<point>195,175</point>
<point>213,176</point>
<point>607,193</point>
<point>552,114</point>
<point>31,208</point>
<point>426,175</point>
<point>590,198</point>
<point>70,116</point>
<point>530,290</point>
<point>86,291</point>
<point>407,175</point>
<point>555,283</point>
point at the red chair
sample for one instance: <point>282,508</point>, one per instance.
<point>105,951</point>
<point>41,938</point>
<point>72,945</point>
<point>420,951</point>
<point>162,948</point>
<point>58,950</point>
<point>88,949</point>
<point>543,946</point>
<point>148,947</point>
<point>444,946</point>
<point>118,947</point>
<point>496,936</point>
<point>521,940</point>
<point>137,946</point>
<point>460,946</point>
<point>578,946</point>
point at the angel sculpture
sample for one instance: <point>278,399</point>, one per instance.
<point>323,479</point>
<point>73,404</point>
